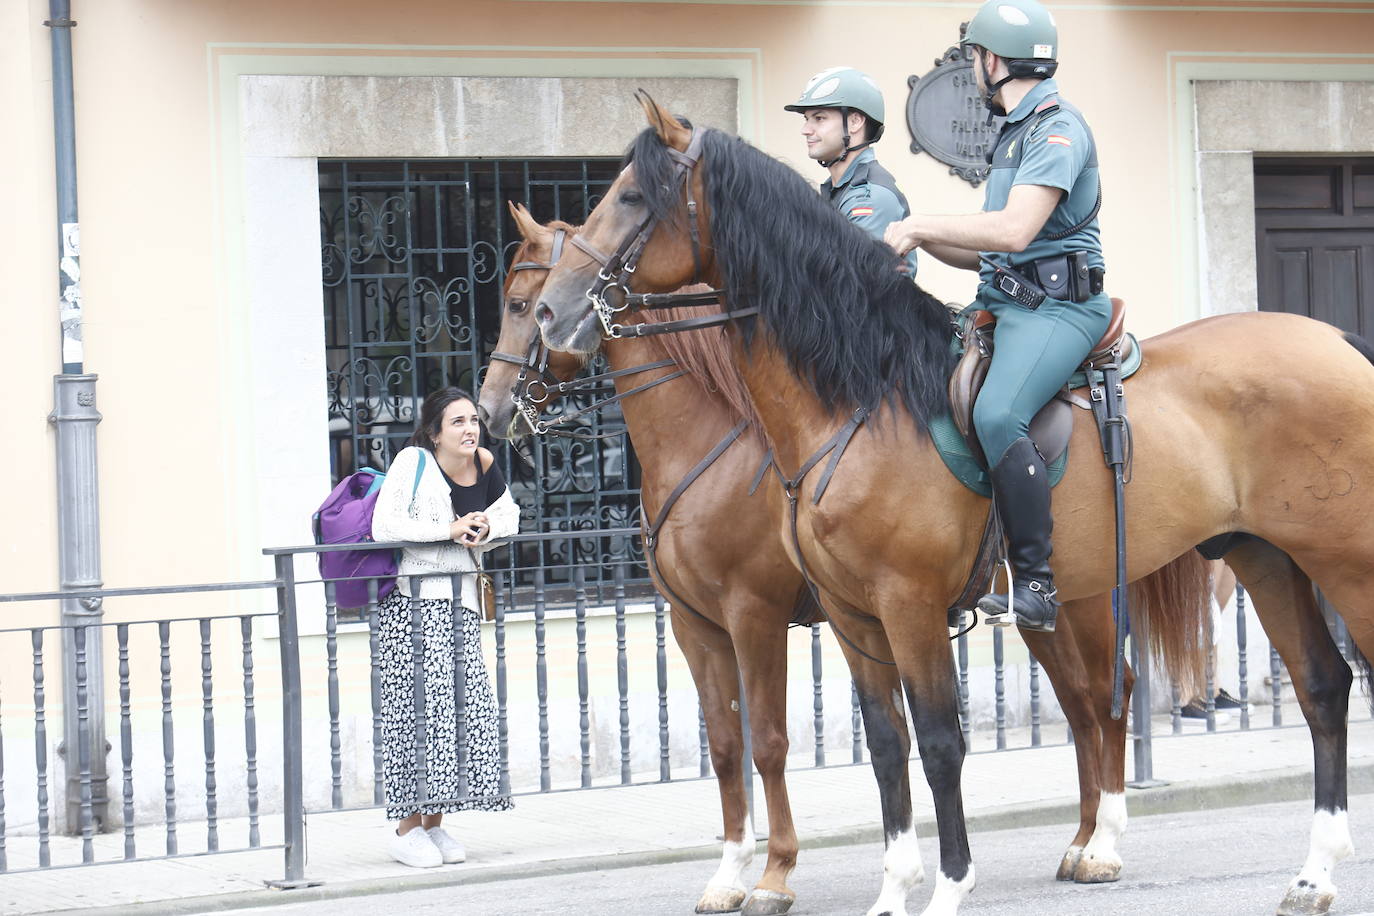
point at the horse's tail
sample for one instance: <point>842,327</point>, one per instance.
<point>1171,608</point>
<point>1362,670</point>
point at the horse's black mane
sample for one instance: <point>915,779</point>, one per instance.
<point>857,331</point>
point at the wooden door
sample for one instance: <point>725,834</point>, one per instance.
<point>1314,226</point>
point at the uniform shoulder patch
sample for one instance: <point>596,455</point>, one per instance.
<point>864,210</point>
<point>1059,139</point>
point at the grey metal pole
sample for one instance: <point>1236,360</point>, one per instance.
<point>293,777</point>
<point>1142,741</point>
<point>78,529</point>
<point>68,228</point>
<point>74,418</point>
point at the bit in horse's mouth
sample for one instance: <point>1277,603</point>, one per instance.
<point>580,331</point>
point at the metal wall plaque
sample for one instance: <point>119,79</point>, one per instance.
<point>946,117</point>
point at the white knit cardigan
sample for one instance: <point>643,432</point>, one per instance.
<point>427,517</point>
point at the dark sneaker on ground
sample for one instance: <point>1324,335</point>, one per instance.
<point>1197,711</point>
<point>1194,710</point>
<point>1225,701</point>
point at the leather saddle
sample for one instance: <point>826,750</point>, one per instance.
<point>1052,426</point>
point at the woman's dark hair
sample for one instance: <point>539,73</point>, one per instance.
<point>432,414</point>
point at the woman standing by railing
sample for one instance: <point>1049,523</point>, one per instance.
<point>442,488</point>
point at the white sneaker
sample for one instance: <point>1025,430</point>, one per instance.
<point>451,850</point>
<point>415,849</point>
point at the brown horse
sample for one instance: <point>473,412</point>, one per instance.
<point>732,603</point>
<point>698,565</point>
<point>1272,467</point>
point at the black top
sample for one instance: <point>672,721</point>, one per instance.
<point>479,496</point>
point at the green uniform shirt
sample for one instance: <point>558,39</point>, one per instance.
<point>868,197</point>
<point>1054,150</point>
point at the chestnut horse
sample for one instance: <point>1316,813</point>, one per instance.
<point>1273,468</point>
<point>732,603</point>
<point>733,614</point>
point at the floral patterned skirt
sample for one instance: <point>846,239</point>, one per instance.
<point>480,759</point>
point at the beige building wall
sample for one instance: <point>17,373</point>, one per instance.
<point>198,127</point>
<point>173,283</point>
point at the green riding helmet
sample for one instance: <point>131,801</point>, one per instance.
<point>1021,32</point>
<point>844,88</point>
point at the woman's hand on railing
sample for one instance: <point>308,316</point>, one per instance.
<point>470,529</point>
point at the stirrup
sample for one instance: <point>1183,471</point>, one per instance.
<point>1001,618</point>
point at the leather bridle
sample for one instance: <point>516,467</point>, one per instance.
<point>609,296</point>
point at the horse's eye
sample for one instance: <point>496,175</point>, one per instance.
<point>516,306</point>
<point>631,198</point>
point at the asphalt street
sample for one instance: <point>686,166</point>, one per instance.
<point>1231,862</point>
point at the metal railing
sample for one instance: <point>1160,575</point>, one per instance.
<point>608,704</point>
<point>155,636</point>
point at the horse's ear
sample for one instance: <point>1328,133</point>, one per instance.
<point>668,128</point>
<point>530,230</point>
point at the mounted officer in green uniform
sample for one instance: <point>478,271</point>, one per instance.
<point>1039,254</point>
<point>842,116</point>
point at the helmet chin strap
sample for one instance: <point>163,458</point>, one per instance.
<point>994,110</point>
<point>844,119</point>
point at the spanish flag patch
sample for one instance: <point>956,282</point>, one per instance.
<point>1060,139</point>
<point>861,211</point>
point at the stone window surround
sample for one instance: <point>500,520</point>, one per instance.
<point>1238,119</point>
<point>286,123</point>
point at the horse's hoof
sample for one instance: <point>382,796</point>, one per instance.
<point>1097,870</point>
<point>1069,864</point>
<point>768,903</point>
<point>721,900</point>
<point>1307,899</point>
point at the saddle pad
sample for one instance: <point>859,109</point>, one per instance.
<point>954,450</point>
<point>1133,359</point>
<point>955,454</point>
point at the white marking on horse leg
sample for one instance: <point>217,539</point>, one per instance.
<point>902,870</point>
<point>949,894</point>
<point>1100,861</point>
<point>1312,891</point>
<point>726,891</point>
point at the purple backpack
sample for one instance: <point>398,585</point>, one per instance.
<point>345,517</point>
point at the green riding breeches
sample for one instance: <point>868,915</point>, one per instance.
<point>1034,354</point>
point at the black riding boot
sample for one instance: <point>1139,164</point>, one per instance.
<point>1021,485</point>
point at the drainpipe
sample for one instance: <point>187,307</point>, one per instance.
<point>74,419</point>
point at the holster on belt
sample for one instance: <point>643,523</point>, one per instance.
<point>1066,276</point>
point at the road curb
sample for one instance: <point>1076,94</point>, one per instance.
<point>1290,784</point>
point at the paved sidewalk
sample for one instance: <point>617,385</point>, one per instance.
<point>616,827</point>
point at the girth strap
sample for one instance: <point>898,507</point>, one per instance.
<point>834,446</point>
<point>980,576</point>
<point>650,532</point>
<point>763,469</point>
